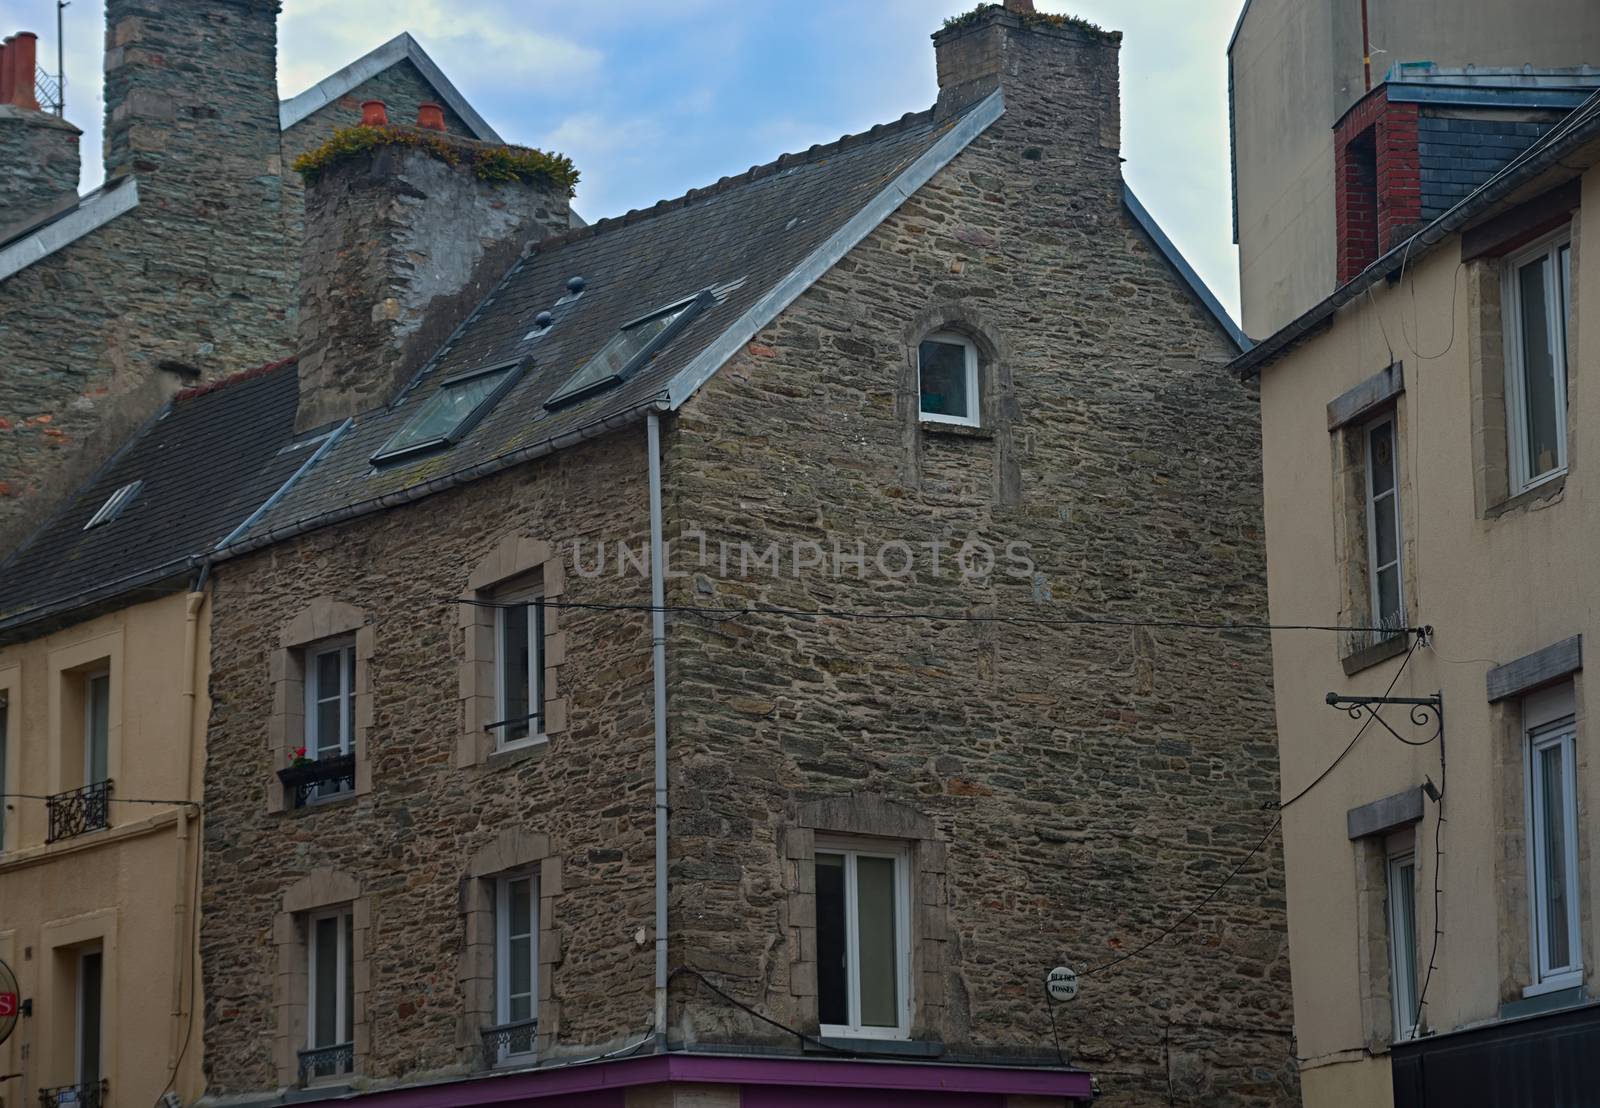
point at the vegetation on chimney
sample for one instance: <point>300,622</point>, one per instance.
<point>1031,19</point>
<point>489,163</point>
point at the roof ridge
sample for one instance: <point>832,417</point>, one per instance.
<point>232,379</point>
<point>816,152</point>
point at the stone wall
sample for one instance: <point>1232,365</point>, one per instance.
<point>1089,784</point>
<point>38,163</point>
<point>409,842</point>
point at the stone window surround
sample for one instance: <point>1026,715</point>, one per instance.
<point>56,1062</point>
<point>1509,769</point>
<point>513,557</point>
<point>1369,827</point>
<point>320,889</point>
<point>1486,360</point>
<point>322,619</point>
<point>511,850</point>
<point>875,818</point>
<point>68,665</point>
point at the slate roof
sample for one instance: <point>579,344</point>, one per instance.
<point>753,240</point>
<point>207,461</point>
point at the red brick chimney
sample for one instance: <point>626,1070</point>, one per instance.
<point>399,247</point>
<point>1377,180</point>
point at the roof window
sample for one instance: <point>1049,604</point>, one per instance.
<point>630,348</point>
<point>114,504</point>
<point>452,411</point>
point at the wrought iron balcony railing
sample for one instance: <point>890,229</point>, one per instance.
<point>79,811</point>
<point>324,777</point>
<point>75,1096</point>
<point>327,1061</point>
<point>509,1042</point>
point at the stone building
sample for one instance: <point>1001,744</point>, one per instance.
<point>594,695</point>
<point>182,265</point>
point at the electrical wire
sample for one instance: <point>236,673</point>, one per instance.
<point>883,615</point>
<point>762,1016</point>
<point>195,804</point>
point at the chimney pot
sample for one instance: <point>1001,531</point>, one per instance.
<point>1020,7</point>
<point>430,116</point>
<point>21,55</point>
<point>6,60</point>
<point>374,114</point>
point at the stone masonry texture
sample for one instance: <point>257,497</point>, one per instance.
<point>1086,785</point>
<point>40,154</point>
<point>200,279</point>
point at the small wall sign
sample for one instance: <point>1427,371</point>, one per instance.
<point>10,1002</point>
<point>1062,984</point>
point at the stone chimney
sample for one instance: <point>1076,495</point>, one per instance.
<point>38,150</point>
<point>399,247</point>
<point>1059,77</point>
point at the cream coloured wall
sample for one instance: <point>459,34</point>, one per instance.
<point>1494,588</point>
<point>129,889</point>
<point>1297,68</point>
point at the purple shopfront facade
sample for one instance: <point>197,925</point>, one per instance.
<point>758,1082</point>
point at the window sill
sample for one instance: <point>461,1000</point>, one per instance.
<point>955,430</point>
<point>515,755</point>
<point>1538,1003</point>
<point>899,1048</point>
<point>321,804</point>
<point>1392,647</point>
<point>1548,491</point>
<point>1571,980</point>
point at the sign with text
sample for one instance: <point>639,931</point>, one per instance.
<point>10,1002</point>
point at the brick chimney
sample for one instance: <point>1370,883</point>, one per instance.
<point>399,247</point>
<point>38,150</point>
<point>1059,77</point>
<point>1377,180</point>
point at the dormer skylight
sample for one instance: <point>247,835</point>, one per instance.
<point>630,348</point>
<point>447,415</point>
<point>114,504</point>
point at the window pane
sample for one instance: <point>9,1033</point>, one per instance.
<point>98,712</point>
<point>1540,379</point>
<point>1389,614</point>
<point>614,357</point>
<point>325,980</point>
<point>513,655</point>
<point>943,376</point>
<point>327,728</point>
<point>875,897</point>
<point>833,975</point>
<point>1552,828</point>
<point>1403,915</point>
<point>328,675</point>
<point>1380,458</point>
<point>349,695</point>
<point>89,991</point>
<point>349,980</point>
<point>521,975</point>
<point>1385,539</point>
<point>521,908</point>
<point>446,409</point>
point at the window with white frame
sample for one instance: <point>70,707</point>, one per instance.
<point>1401,866</point>
<point>330,994</point>
<point>1552,814</point>
<point>96,727</point>
<point>1536,297</point>
<point>863,939</point>
<point>519,671</point>
<point>1383,525</point>
<point>947,380</point>
<point>88,1045</point>
<point>330,706</point>
<point>516,959</point>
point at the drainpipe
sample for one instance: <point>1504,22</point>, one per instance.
<point>181,927</point>
<point>658,642</point>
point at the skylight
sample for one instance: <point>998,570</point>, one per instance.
<point>451,412</point>
<point>114,504</point>
<point>630,348</point>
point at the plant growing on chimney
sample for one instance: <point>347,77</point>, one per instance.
<point>1031,19</point>
<point>489,163</point>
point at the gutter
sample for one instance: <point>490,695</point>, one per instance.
<point>1419,244</point>
<point>658,655</point>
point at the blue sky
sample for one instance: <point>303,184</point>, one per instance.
<point>653,97</point>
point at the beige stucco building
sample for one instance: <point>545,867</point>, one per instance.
<point>1429,437</point>
<point>97,887</point>
<point>1296,66</point>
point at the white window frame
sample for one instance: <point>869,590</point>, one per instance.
<point>534,601</point>
<point>345,647</point>
<point>502,956</point>
<point>89,679</point>
<point>81,1076</point>
<point>900,854</point>
<point>1549,721</point>
<point>974,418</point>
<point>344,914</point>
<point>1558,277</point>
<point>1374,595</point>
<point>1401,865</point>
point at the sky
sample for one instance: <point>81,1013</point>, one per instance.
<point>654,97</point>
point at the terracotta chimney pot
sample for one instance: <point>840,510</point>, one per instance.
<point>374,114</point>
<point>7,59</point>
<point>21,54</point>
<point>430,117</point>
